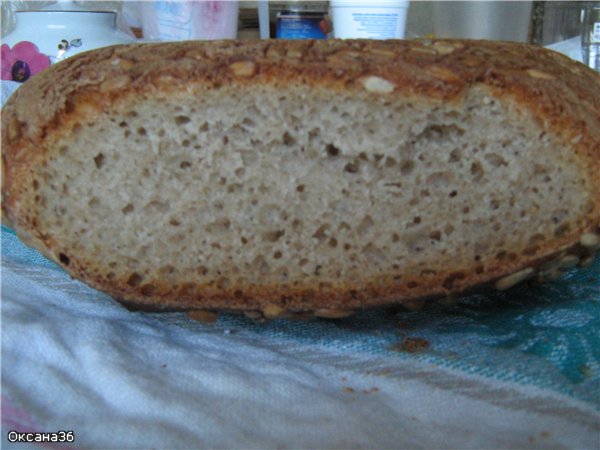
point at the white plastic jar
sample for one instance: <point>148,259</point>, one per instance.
<point>369,19</point>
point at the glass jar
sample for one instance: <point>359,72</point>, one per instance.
<point>299,19</point>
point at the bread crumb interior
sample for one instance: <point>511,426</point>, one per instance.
<point>255,186</point>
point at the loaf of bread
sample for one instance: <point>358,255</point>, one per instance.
<point>295,178</point>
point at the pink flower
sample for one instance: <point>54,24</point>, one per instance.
<point>22,61</point>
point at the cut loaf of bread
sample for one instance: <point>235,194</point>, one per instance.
<point>306,178</point>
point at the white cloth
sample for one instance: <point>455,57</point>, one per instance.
<point>73,359</point>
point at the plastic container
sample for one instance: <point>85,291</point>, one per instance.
<point>297,19</point>
<point>183,20</point>
<point>369,19</point>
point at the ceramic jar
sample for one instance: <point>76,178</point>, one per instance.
<point>42,38</point>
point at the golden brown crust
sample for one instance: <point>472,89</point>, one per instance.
<point>562,94</point>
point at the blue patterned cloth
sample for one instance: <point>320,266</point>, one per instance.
<point>546,335</point>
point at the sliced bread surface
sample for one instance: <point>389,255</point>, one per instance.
<point>306,177</point>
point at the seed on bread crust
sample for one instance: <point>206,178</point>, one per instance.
<point>569,261</point>
<point>590,240</point>
<point>332,313</point>
<point>511,280</point>
<point>243,68</point>
<point>377,85</point>
<point>272,311</point>
<point>534,73</point>
<point>112,84</point>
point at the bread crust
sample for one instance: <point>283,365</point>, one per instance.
<point>562,95</point>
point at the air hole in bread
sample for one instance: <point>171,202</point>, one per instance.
<point>249,123</point>
<point>233,188</point>
<point>64,259</point>
<point>455,156</point>
<point>365,225</point>
<point>261,264</point>
<point>352,167</point>
<point>127,209</point>
<point>436,235</point>
<point>477,171</point>
<point>439,179</point>
<point>451,279</point>
<point>148,289</point>
<point>407,166</point>
<point>390,162</point>
<point>495,160</point>
<point>530,251</point>
<point>99,160</point>
<point>322,232</point>
<point>135,279</point>
<point>156,206</point>
<point>182,120</point>
<point>502,254</point>
<point>167,270</point>
<point>94,202</point>
<point>373,254</point>
<point>332,150</point>
<point>288,139</point>
<point>559,215</point>
<point>561,230</point>
<point>536,238</point>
